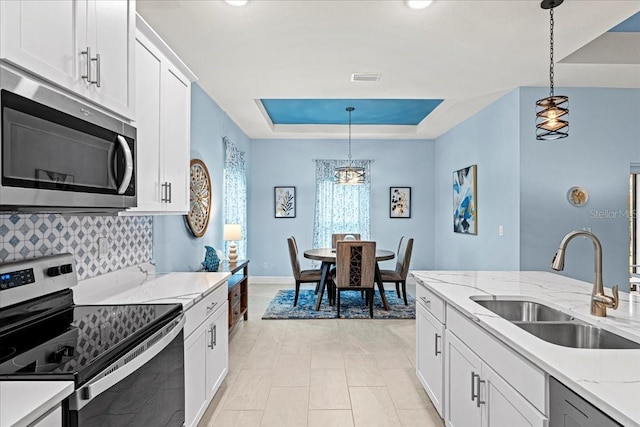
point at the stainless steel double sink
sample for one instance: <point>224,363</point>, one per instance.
<point>555,326</point>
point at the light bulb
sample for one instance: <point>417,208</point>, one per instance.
<point>237,2</point>
<point>418,4</point>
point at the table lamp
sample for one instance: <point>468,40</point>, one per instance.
<point>232,233</point>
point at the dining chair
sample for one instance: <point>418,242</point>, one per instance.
<point>341,236</point>
<point>301,276</point>
<point>399,275</point>
<point>355,269</point>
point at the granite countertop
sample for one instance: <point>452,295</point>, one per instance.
<point>609,379</point>
<point>23,402</point>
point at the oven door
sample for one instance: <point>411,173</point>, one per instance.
<point>143,388</point>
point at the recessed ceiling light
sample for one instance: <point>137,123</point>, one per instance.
<point>365,77</point>
<point>418,4</point>
<point>237,2</point>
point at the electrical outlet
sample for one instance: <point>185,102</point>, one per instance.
<point>265,265</point>
<point>500,230</point>
<point>103,247</point>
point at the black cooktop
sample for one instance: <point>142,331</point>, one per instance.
<point>51,338</point>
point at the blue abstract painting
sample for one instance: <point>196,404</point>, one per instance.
<point>465,214</point>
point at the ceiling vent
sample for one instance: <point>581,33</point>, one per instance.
<point>365,77</point>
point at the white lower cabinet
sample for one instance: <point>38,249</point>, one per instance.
<point>53,418</point>
<point>206,353</point>
<point>429,360</point>
<point>472,378</point>
<point>477,396</point>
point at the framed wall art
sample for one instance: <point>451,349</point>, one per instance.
<point>284,202</point>
<point>465,209</point>
<point>399,202</point>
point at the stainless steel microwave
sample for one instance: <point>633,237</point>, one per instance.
<point>59,154</point>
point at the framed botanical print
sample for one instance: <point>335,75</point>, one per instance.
<point>465,209</point>
<point>284,202</point>
<point>399,202</point>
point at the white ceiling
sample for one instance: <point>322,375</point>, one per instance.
<point>467,52</point>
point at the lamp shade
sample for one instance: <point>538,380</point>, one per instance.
<point>232,232</point>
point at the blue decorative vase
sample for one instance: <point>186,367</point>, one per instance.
<point>211,261</point>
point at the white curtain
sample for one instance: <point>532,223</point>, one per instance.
<point>235,193</point>
<point>340,208</point>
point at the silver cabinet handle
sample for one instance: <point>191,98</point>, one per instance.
<point>426,301</point>
<point>215,335</point>
<point>478,382</point>
<point>473,387</point>
<point>210,307</point>
<point>436,344</point>
<point>97,59</point>
<point>165,192</point>
<point>128,169</point>
<point>211,336</point>
<point>170,193</point>
<point>87,76</point>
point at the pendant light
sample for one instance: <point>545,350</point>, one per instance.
<point>551,112</point>
<point>349,175</point>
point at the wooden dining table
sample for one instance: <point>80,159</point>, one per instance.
<point>328,258</point>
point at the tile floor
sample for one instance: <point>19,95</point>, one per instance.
<point>320,373</point>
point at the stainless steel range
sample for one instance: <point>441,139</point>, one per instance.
<point>127,361</point>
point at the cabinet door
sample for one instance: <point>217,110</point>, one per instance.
<point>504,406</point>
<point>195,390</point>
<point>40,36</point>
<point>217,350</point>
<point>175,139</point>
<point>148,77</point>
<point>110,27</point>
<point>429,360</point>
<point>462,367</point>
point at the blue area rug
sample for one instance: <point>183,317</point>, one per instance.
<point>352,306</point>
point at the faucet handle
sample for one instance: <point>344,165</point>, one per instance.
<point>615,299</point>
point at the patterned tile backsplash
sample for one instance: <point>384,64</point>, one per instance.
<point>128,240</point>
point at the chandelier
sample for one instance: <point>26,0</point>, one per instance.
<point>551,122</point>
<point>349,175</point>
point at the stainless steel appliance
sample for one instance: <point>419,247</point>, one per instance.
<point>59,154</point>
<point>568,409</point>
<point>127,361</point>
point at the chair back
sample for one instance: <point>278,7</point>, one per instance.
<point>293,255</point>
<point>404,257</point>
<point>335,237</point>
<point>355,264</point>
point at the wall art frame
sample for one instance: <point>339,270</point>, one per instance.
<point>465,201</point>
<point>284,201</point>
<point>399,202</point>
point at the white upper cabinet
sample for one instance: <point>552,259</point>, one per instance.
<point>84,46</point>
<point>163,120</point>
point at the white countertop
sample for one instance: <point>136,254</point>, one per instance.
<point>184,288</point>
<point>23,402</point>
<point>609,379</point>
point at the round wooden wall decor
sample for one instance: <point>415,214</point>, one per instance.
<point>199,198</point>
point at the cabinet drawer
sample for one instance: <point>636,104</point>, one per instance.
<point>236,312</point>
<point>199,312</point>
<point>234,295</point>
<point>524,377</point>
<point>434,304</point>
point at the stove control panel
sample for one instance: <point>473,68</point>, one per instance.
<point>16,278</point>
<point>34,277</point>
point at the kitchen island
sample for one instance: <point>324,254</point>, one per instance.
<point>608,379</point>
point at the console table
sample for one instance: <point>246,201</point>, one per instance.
<point>238,284</point>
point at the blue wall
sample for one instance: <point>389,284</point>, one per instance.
<point>604,139</point>
<point>290,162</point>
<point>489,139</point>
<point>174,247</point>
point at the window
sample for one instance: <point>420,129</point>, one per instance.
<point>340,208</point>
<point>235,193</point>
